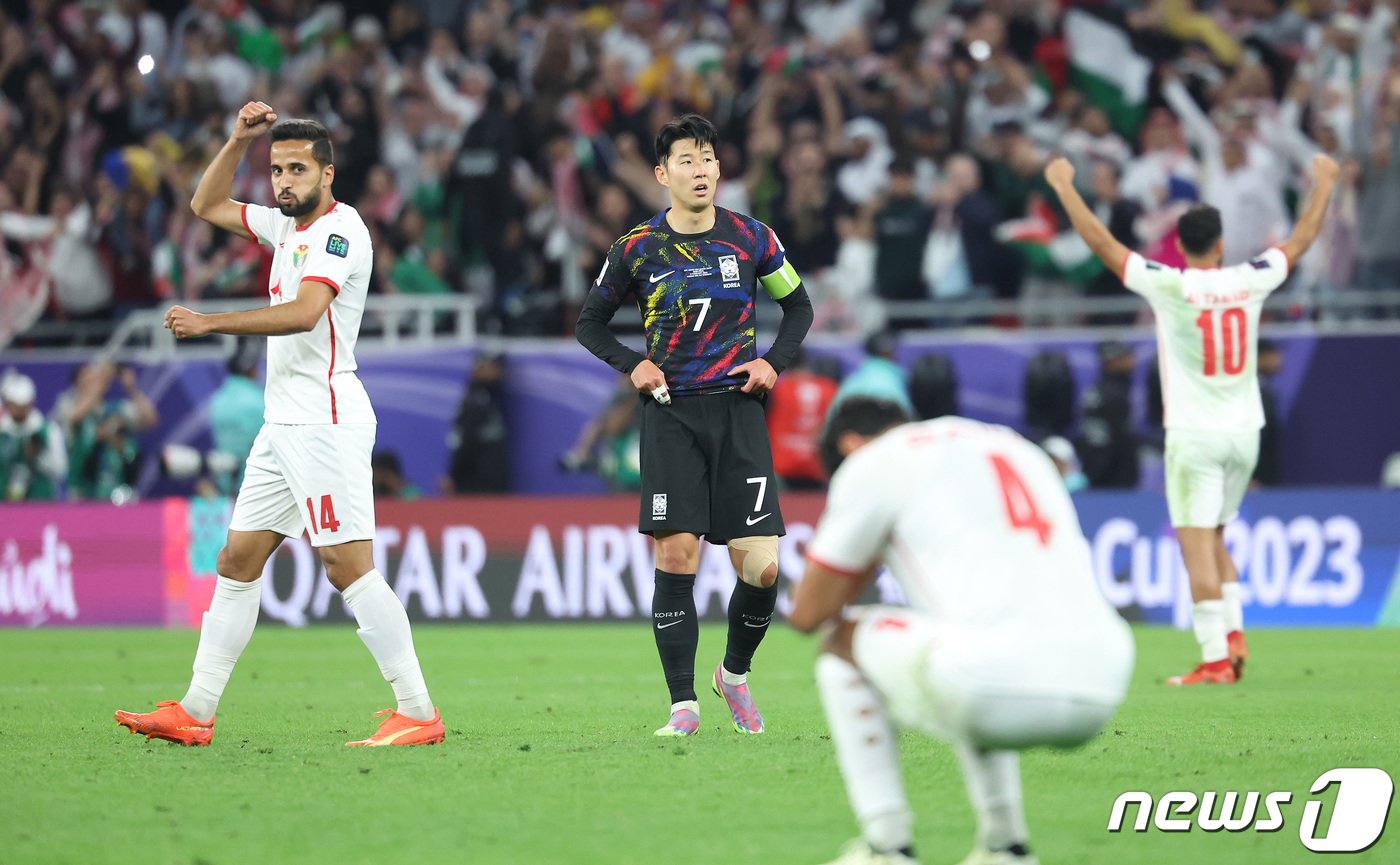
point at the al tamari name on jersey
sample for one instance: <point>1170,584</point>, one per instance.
<point>696,293</point>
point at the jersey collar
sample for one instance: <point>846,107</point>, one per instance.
<point>330,209</point>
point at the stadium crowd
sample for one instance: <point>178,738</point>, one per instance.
<point>497,148</point>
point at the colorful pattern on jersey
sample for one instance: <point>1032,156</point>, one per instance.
<point>696,294</point>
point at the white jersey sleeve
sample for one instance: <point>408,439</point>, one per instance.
<point>859,516</point>
<point>263,223</point>
<point>333,258</point>
<point>1263,273</point>
<point>1149,278</point>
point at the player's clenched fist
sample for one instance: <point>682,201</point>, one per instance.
<point>254,119</point>
<point>1060,172</point>
<point>185,323</point>
<point>647,378</point>
<point>1324,167</point>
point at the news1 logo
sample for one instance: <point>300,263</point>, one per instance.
<point>1358,815</point>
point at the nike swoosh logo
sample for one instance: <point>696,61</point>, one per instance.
<point>669,624</point>
<point>655,279</point>
<point>752,520</point>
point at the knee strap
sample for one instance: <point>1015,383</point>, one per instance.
<point>760,552</point>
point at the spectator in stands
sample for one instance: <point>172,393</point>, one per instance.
<point>901,231</point>
<point>236,417</point>
<point>991,264</point>
<point>1108,446</point>
<point>878,375</point>
<point>33,460</point>
<point>388,478</point>
<point>505,131</point>
<point>82,284</point>
<point>611,443</point>
<point>1121,216</point>
<point>797,409</point>
<point>1243,178</point>
<point>480,460</point>
<point>1268,471</point>
<point>1378,216</point>
<point>1066,461</point>
<point>103,454</point>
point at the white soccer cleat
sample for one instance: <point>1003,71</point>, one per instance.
<point>859,852</point>
<point>983,856</point>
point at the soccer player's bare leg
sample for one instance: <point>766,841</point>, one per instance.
<point>755,560</point>
<point>675,627</point>
<point>864,736</point>
<point>384,626</point>
<point>1200,550</point>
<point>1234,606</point>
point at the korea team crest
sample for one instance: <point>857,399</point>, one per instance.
<point>299,256</point>
<point>729,268</point>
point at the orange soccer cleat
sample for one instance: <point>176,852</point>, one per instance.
<point>1239,652</point>
<point>402,730</point>
<point>170,722</point>
<point>1208,673</point>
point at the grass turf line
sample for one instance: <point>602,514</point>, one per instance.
<point>550,758</point>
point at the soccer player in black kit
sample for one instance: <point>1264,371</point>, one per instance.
<point>694,271</point>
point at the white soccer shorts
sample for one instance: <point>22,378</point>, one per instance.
<point>1207,475</point>
<point>311,477</point>
<point>993,690</point>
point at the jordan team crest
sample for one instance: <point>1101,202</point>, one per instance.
<point>299,256</point>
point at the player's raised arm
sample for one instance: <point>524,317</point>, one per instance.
<point>1310,223</point>
<point>211,201</point>
<point>1114,255</point>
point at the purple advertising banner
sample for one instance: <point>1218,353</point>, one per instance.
<point>82,565</point>
<point>1336,424</point>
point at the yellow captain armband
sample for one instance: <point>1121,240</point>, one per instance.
<point>781,282</point>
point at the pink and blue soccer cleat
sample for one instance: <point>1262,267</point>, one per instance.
<point>684,722</point>
<point>741,708</point>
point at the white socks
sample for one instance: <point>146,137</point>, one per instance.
<point>692,705</point>
<point>385,631</point>
<point>227,627</point>
<point>994,786</point>
<point>866,752</point>
<point>732,679</point>
<point>1208,621</point>
<point>1234,607</point>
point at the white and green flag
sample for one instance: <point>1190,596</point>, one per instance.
<point>1105,68</point>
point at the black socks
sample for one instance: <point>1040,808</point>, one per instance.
<point>677,631</point>
<point>750,611</point>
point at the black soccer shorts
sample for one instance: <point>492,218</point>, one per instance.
<point>707,468</point>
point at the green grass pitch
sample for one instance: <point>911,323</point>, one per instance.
<point>550,757</point>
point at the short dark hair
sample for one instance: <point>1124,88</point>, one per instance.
<point>1199,229</point>
<point>863,415</point>
<point>386,460</point>
<point>301,129</point>
<point>687,127</point>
